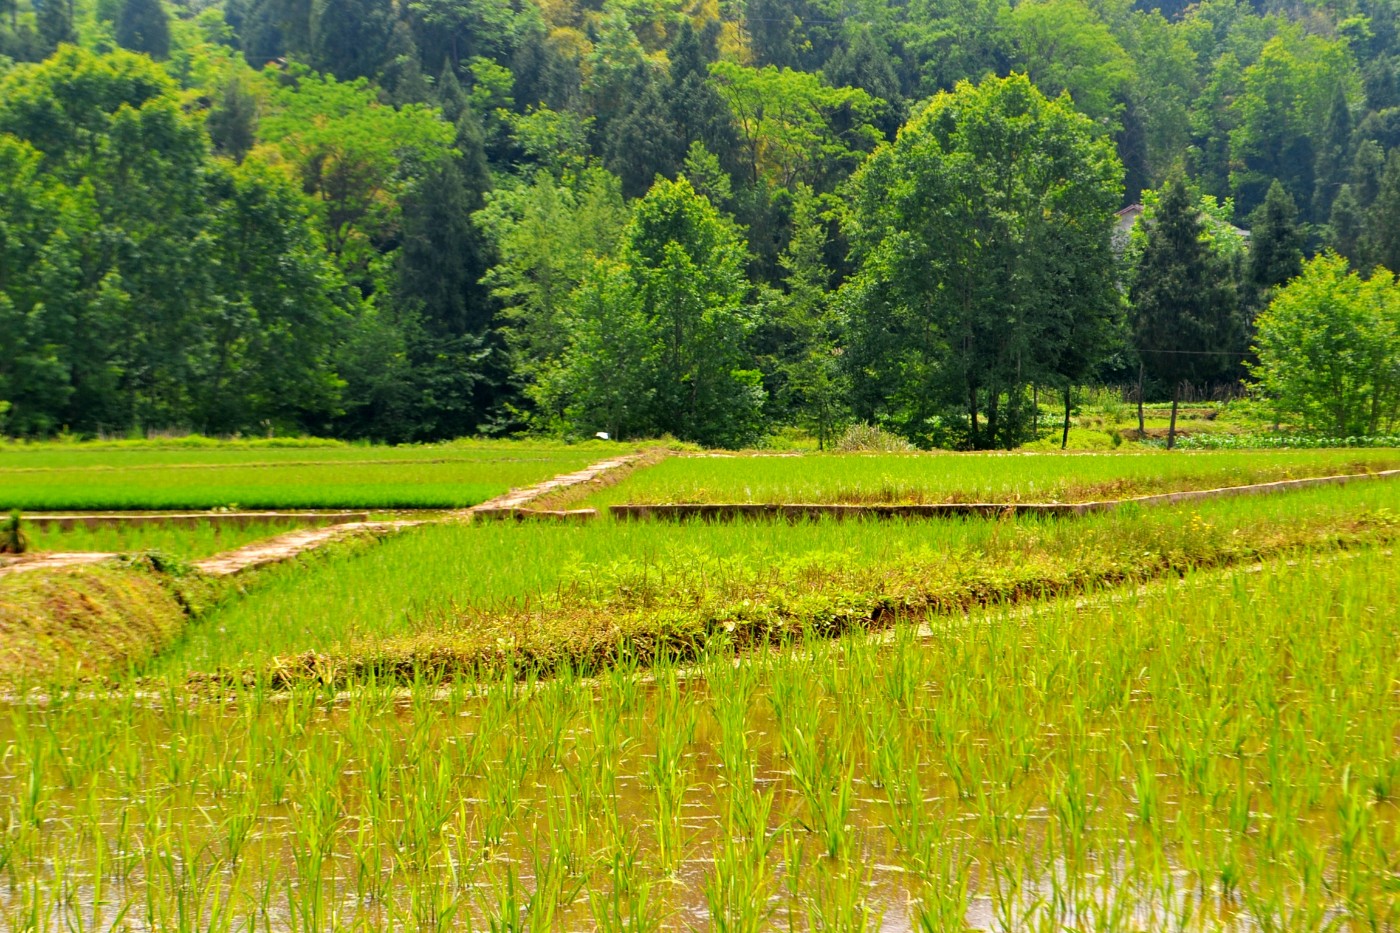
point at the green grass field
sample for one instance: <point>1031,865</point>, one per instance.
<point>916,478</point>
<point>152,476</point>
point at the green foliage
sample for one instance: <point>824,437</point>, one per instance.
<point>143,26</point>
<point>13,539</point>
<point>1286,97</point>
<point>793,127</point>
<point>112,199</point>
<point>548,234</point>
<point>233,119</point>
<point>1380,241</point>
<point>814,383</point>
<point>1275,245</point>
<point>658,334</point>
<point>983,240</point>
<point>54,20</point>
<point>1186,327</point>
<point>118,310</point>
<point>1063,45</point>
<point>355,156</point>
<point>1225,239</point>
<point>1329,350</point>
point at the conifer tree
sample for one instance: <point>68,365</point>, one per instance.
<point>450,96</point>
<point>1344,227</point>
<point>232,121</point>
<point>1275,246</point>
<point>350,38</point>
<point>814,380</point>
<point>1380,244</point>
<point>1184,321</point>
<point>142,26</point>
<point>1333,156</point>
<point>55,22</point>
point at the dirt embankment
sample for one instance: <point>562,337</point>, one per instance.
<point>82,621</point>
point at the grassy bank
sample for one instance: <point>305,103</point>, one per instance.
<point>918,478</point>
<point>448,598</point>
<point>80,622</point>
<point>1212,753</point>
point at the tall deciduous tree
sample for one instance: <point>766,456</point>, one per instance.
<point>969,229</point>
<point>1329,350</point>
<point>142,283</point>
<point>1185,324</point>
<point>793,127</point>
<point>548,234</point>
<point>660,333</point>
<point>356,158</point>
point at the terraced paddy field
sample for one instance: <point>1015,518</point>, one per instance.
<point>186,542</point>
<point>948,477</point>
<point>456,596</point>
<point>149,477</point>
<point>1211,752</point>
<point>1183,718</point>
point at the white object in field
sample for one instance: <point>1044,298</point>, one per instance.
<point>602,436</point>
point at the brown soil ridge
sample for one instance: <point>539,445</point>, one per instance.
<point>285,547</point>
<point>51,560</point>
<point>729,511</point>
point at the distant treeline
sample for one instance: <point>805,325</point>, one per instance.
<point>414,219</point>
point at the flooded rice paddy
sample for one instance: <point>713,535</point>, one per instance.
<point>1219,752</point>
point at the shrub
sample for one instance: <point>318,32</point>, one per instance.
<point>870,438</point>
<point>13,540</point>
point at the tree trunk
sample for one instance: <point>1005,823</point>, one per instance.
<point>1035,410</point>
<point>1064,437</point>
<point>1142,430</point>
<point>993,417</point>
<point>1171,431</point>
<point>972,406</point>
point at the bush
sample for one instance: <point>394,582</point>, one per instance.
<point>13,540</point>
<point>872,439</point>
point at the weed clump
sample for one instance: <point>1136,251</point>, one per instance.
<point>869,438</point>
<point>13,540</point>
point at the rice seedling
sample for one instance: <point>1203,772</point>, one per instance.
<point>944,477</point>
<point>100,476</point>
<point>614,593</point>
<point>183,542</point>
<point>1213,750</point>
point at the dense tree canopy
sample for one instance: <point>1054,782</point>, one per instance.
<point>983,236</point>
<point>404,220</point>
<point>1329,350</point>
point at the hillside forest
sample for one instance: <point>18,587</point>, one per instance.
<point>407,220</point>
